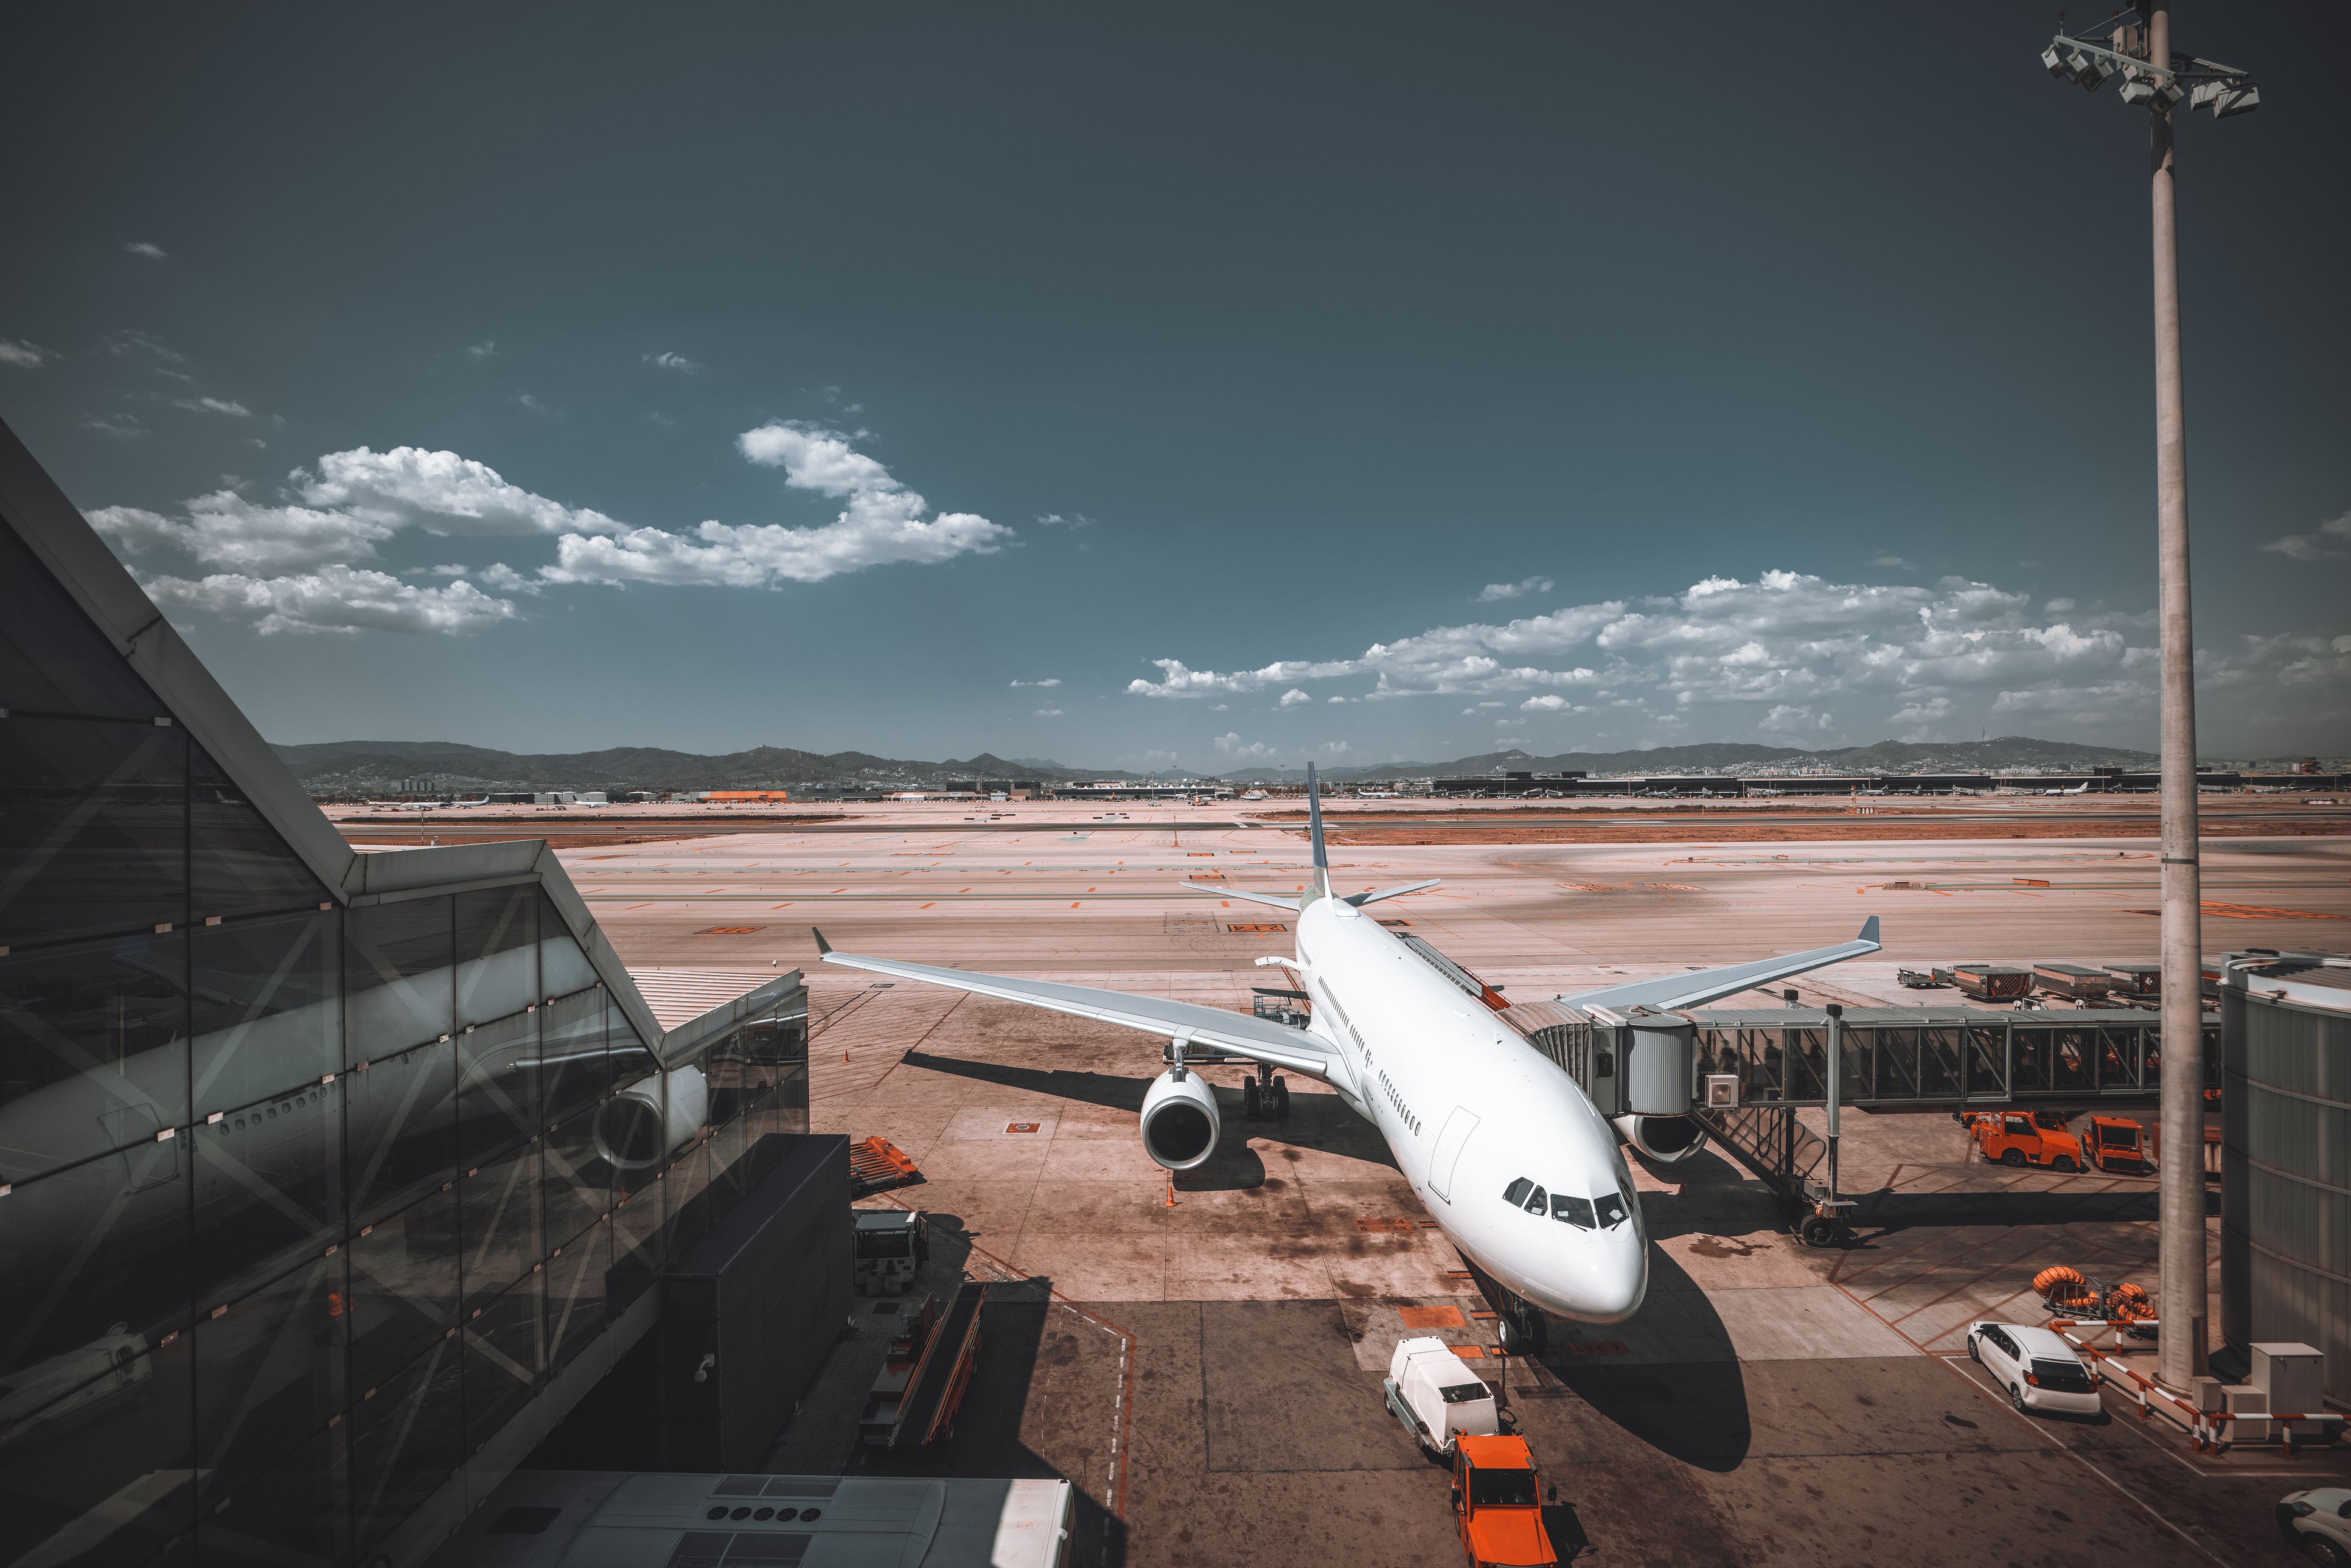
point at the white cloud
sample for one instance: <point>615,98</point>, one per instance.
<point>439,492</point>
<point>530,402</point>
<point>1786,719</point>
<point>114,424</point>
<point>668,360</point>
<point>1048,681</point>
<point>1074,520</point>
<point>149,249</point>
<point>1230,744</point>
<point>131,340</point>
<point>334,599</point>
<point>482,350</point>
<point>1337,748</point>
<point>24,354</point>
<point>229,406</point>
<point>225,529</point>
<point>1550,702</point>
<point>2330,541</point>
<point>1048,713</point>
<point>1493,592</point>
<point>1893,562</point>
<point>1334,699</point>
<point>1293,697</point>
<point>880,523</point>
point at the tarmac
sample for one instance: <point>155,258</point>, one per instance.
<point>1203,1356</point>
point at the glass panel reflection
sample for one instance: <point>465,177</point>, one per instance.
<point>571,1053</point>
<point>291,1515</point>
<point>504,1358</point>
<point>268,1369</point>
<point>402,1127</point>
<point>98,1261</point>
<point>92,828</point>
<point>407,1434</point>
<point>398,974</point>
<point>52,659</point>
<point>268,1014</point>
<point>93,1049</point>
<point>269,1184</point>
<point>497,955</point>
<point>104,1451</point>
<point>403,1293</point>
<point>575,1279</point>
<point>498,1086</point>
<point>498,1213</point>
<point>237,862</point>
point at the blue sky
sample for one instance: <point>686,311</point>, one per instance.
<point>1186,388</point>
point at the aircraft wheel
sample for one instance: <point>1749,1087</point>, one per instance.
<point>1281,1099</point>
<point>1248,1099</point>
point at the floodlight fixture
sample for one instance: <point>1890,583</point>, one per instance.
<point>2055,60</point>
<point>2241,97</point>
<point>2139,90</point>
<point>2087,69</point>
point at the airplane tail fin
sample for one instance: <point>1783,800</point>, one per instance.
<point>1314,833</point>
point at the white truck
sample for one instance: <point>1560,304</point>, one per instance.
<point>892,1245</point>
<point>1436,1397</point>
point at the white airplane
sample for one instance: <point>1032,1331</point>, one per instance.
<point>1519,1170</point>
<point>2081,789</point>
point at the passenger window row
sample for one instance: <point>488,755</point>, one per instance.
<point>1607,1212</point>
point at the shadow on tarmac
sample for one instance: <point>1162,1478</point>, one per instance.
<point>1692,1408</point>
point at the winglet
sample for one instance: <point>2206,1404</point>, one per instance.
<point>823,947</point>
<point>1868,931</point>
<point>1314,833</point>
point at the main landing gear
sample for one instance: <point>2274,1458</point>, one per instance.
<point>1265,1097</point>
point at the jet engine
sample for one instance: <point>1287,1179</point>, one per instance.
<point>1179,1120</point>
<point>1666,1140</point>
<point>641,1125</point>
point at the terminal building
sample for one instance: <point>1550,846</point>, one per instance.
<point>331,1182</point>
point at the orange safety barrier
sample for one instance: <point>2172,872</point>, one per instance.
<point>877,1166</point>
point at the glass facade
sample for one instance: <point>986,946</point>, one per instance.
<point>298,1203</point>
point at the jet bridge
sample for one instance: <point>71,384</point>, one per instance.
<point>1742,1074</point>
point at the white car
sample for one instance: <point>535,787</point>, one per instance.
<point>2039,1370</point>
<point>2317,1522</point>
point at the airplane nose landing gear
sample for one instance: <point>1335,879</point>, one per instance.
<point>1523,1328</point>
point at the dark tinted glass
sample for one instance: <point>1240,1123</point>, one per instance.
<point>503,1358</point>
<point>93,1050</point>
<point>402,1128</point>
<point>1516,1193</point>
<point>403,1286</point>
<point>239,864</point>
<point>93,829</point>
<point>405,1439</point>
<point>1501,1489</point>
<point>95,1253</point>
<point>269,1006</point>
<point>397,970</point>
<point>498,1205</point>
<point>575,1181</point>
<point>630,1058</point>
<point>1571,1211</point>
<point>97,1448</point>
<point>571,1048</point>
<point>270,1370</point>
<point>497,952</point>
<point>290,1514</point>
<point>498,1086</point>
<point>574,1282</point>
<point>269,1185</point>
<point>52,658</point>
<point>1612,1209</point>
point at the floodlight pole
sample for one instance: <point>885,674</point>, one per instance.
<point>2181,1274</point>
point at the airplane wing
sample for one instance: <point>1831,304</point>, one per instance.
<point>1239,1034</point>
<point>1697,988</point>
<point>1279,900</point>
<point>1361,899</point>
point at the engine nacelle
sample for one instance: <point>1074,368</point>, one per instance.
<point>1179,1120</point>
<point>637,1128</point>
<point>1666,1140</point>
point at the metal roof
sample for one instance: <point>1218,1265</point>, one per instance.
<point>694,1006</point>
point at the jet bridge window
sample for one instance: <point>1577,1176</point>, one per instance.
<point>1612,1210</point>
<point>1571,1211</point>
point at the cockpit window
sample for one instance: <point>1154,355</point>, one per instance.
<point>1571,1211</point>
<point>1537,1201</point>
<point>1516,1193</point>
<point>1612,1210</point>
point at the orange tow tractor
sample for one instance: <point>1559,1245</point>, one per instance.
<point>2118,1144</point>
<point>1498,1496</point>
<point>2013,1138</point>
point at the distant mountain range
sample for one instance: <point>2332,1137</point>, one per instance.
<point>380,767</point>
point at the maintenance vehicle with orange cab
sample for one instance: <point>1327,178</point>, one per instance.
<point>2014,1138</point>
<point>2118,1144</point>
<point>1497,1497</point>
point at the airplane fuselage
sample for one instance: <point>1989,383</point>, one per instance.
<point>1473,1113</point>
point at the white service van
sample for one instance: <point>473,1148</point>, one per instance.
<point>1436,1397</point>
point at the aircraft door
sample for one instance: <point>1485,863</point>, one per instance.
<point>1449,1143</point>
